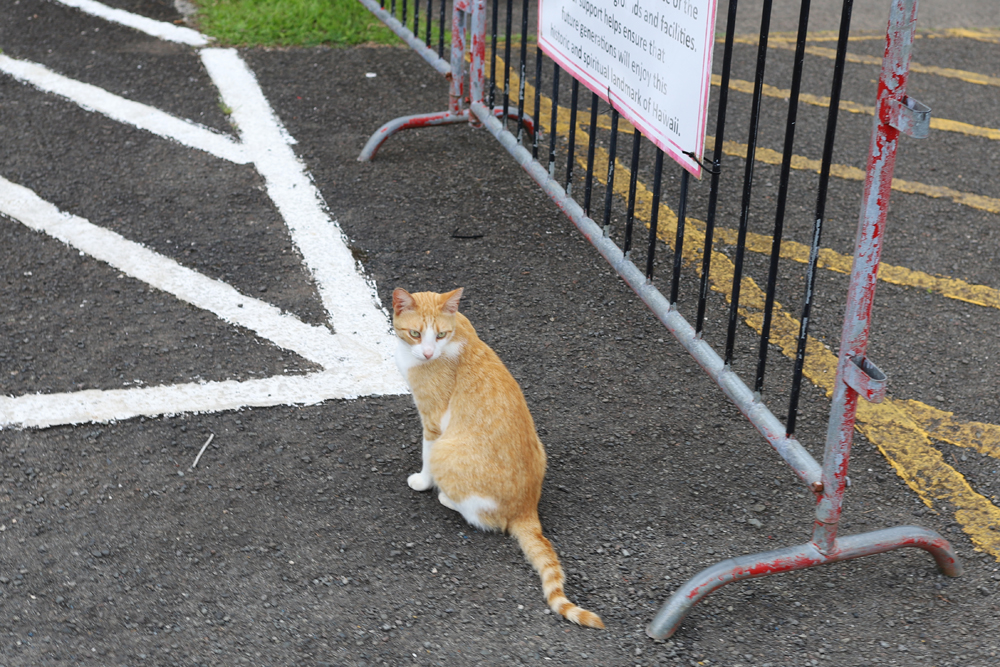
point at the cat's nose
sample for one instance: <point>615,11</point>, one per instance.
<point>428,354</point>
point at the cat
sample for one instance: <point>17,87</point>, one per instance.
<point>480,447</point>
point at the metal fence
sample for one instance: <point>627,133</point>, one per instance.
<point>488,90</point>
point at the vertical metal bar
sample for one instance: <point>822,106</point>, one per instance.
<point>679,241</point>
<point>506,62</point>
<point>555,119</point>
<point>779,216</point>
<point>654,215</point>
<point>713,193</point>
<point>591,149</point>
<point>610,187</point>
<point>522,70</point>
<point>392,7</point>
<point>493,55</point>
<point>441,31</point>
<point>403,19</point>
<point>477,63</point>
<point>741,236</point>
<point>633,178</point>
<point>824,179</point>
<point>864,271</point>
<point>430,21</point>
<point>416,18</point>
<point>538,100</point>
<point>570,155</point>
<point>455,89</point>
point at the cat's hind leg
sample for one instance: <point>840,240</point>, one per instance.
<point>471,508</point>
<point>423,480</point>
<point>448,502</point>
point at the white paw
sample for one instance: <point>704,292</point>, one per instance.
<point>420,481</point>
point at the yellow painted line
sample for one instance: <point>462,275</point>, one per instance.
<point>811,36</point>
<point>846,172</point>
<point>989,35</point>
<point>900,429</point>
<point>941,425</point>
<point>829,259</point>
<point>859,59</point>
<point>943,124</point>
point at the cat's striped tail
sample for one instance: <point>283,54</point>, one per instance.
<point>543,558</point>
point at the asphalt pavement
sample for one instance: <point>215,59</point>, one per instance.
<point>194,266</point>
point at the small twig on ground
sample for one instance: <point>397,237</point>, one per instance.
<point>456,235</point>
<point>203,448</point>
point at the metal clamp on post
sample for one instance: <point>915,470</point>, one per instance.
<point>912,118</point>
<point>865,378</point>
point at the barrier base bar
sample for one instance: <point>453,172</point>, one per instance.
<point>430,120</point>
<point>788,559</point>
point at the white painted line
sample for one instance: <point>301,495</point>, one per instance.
<point>92,405</point>
<point>314,343</point>
<point>122,110</point>
<point>159,29</point>
<point>350,299</point>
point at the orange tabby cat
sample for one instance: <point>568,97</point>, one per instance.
<point>480,447</point>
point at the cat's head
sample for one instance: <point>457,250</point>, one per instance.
<point>425,321</point>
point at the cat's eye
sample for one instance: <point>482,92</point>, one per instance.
<point>414,333</point>
<point>442,334</point>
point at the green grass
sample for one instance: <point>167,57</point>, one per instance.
<point>292,23</point>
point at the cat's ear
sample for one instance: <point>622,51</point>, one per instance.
<point>449,301</point>
<point>401,301</point>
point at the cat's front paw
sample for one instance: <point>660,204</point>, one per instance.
<point>420,481</point>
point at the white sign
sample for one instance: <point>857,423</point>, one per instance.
<point>651,59</point>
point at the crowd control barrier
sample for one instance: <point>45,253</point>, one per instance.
<point>489,102</point>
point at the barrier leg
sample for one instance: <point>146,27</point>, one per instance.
<point>856,376</point>
<point>407,123</point>
<point>425,120</point>
<point>455,74</point>
<point>672,614</point>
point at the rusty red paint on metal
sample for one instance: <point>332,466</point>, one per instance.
<point>456,87</point>
<point>868,251</point>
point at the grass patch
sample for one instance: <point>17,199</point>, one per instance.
<point>291,23</point>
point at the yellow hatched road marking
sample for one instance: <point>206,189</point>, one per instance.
<point>901,429</point>
<point>952,288</point>
<point>846,172</point>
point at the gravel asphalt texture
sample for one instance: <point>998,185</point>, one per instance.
<point>296,541</point>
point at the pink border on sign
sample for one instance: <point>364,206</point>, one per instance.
<point>666,144</point>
